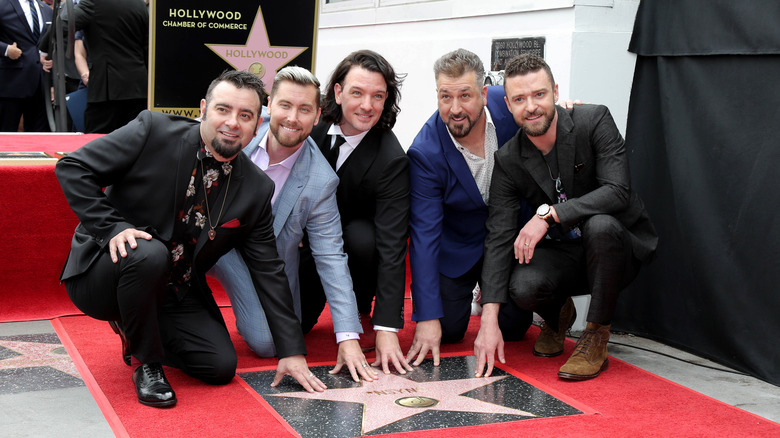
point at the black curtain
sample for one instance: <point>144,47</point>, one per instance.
<point>703,135</point>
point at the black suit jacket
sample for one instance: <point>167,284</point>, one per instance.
<point>595,174</point>
<point>20,78</point>
<point>117,35</point>
<point>146,167</point>
<point>374,185</point>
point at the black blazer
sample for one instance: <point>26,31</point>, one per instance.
<point>146,167</point>
<point>117,36</point>
<point>595,174</point>
<point>374,185</point>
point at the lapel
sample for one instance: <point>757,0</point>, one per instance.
<point>293,187</point>
<point>296,181</point>
<point>187,150</point>
<point>566,149</point>
<point>22,18</point>
<point>362,157</point>
<point>458,164</point>
<point>537,167</point>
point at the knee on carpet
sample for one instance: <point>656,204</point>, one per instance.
<point>219,369</point>
<point>262,348</point>
<point>451,335</point>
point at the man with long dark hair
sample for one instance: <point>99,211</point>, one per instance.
<point>358,112</point>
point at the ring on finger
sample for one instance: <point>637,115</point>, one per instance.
<point>526,244</point>
<point>365,364</point>
<point>311,374</point>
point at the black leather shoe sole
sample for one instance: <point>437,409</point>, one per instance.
<point>125,346</point>
<point>162,404</point>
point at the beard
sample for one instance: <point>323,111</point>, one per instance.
<point>541,128</point>
<point>462,130</point>
<point>286,138</point>
<point>226,150</point>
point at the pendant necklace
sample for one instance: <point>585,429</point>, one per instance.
<point>212,232</point>
<point>558,183</point>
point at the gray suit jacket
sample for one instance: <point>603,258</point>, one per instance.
<point>595,174</point>
<point>308,202</point>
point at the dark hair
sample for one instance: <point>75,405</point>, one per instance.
<point>524,64</point>
<point>371,61</point>
<point>239,79</point>
<point>457,63</point>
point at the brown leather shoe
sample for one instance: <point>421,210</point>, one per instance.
<point>367,340</point>
<point>550,341</point>
<point>590,355</point>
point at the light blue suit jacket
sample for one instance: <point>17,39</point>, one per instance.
<point>308,201</point>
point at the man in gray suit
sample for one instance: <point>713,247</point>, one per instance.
<point>592,240</point>
<point>304,199</point>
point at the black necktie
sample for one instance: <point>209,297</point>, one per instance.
<point>333,153</point>
<point>35,24</point>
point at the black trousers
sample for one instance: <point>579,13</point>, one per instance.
<point>159,327</point>
<point>456,298</point>
<point>32,108</point>
<point>601,263</point>
<point>359,244</point>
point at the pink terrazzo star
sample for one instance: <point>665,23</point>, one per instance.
<point>36,354</point>
<point>257,56</point>
<point>393,398</point>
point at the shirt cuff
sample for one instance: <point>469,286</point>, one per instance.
<point>346,336</point>
<point>386,329</point>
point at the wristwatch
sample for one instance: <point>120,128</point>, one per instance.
<point>545,212</point>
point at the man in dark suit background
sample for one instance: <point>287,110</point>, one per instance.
<point>21,73</point>
<point>117,34</point>
<point>179,195</point>
<point>358,112</point>
<point>590,233</point>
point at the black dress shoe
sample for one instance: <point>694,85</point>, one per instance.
<point>125,346</point>
<point>152,387</point>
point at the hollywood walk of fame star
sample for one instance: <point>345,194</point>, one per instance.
<point>393,398</point>
<point>257,55</point>
<point>36,354</point>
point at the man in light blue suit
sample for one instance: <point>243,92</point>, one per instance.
<point>304,200</point>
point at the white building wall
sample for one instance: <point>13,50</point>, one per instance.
<point>586,44</point>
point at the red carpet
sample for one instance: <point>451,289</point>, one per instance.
<point>37,226</point>
<point>628,401</point>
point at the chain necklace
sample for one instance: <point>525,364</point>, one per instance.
<point>557,180</point>
<point>212,232</point>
